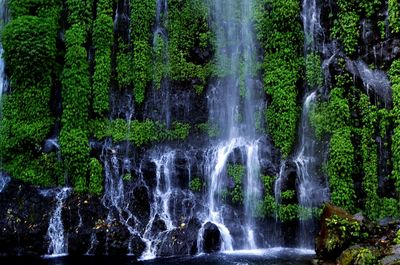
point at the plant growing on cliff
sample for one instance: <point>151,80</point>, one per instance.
<point>196,185</point>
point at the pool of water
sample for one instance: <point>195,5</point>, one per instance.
<point>274,256</point>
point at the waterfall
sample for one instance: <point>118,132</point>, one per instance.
<point>160,207</point>
<point>4,180</point>
<point>311,189</point>
<point>159,106</point>
<point>58,243</point>
<point>3,21</point>
<point>235,99</point>
<point>3,80</point>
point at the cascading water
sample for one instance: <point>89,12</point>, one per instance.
<point>159,105</point>
<point>4,180</point>
<point>3,82</point>
<point>310,188</point>
<point>235,100</point>
<point>3,21</point>
<point>160,208</point>
<point>114,195</point>
<point>58,244</point>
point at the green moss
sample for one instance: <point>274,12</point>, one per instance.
<point>279,32</point>
<point>103,30</point>
<point>142,18</point>
<point>196,185</point>
<point>267,207</point>
<point>394,74</point>
<point>314,75</point>
<point>346,26</point>
<point>340,169</point>
<point>96,177</point>
<point>237,173</point>
<point>138,132</point>
<point>370,158</point>
<point>29,42</point>
<point>394,15</point>
<point>342,232</point>
<point>188,31</point>
<point>29,50</point>
<point>75,151</point>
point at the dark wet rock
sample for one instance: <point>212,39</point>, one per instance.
<point>181,240</point>
<point>211,238</point>
<point>140,203</point>
<point>391,260</point>
<point>25,215</point>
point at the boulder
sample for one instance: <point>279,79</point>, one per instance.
<point>358,255</point>
<point>211,238</point>
<point>391,260</point>
<point>181,241</point>
<point>330,242</point>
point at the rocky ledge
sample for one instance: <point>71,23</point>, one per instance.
<point>346,239</point>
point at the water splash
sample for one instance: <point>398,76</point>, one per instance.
<point>58,244</point>
<point>311,189</point>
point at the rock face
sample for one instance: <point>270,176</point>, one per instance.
<point>181,241</point>
<point>24,219</point>
<point>325,247</point>
<point>25,213</point>
<point>211,238</point>
<point>353,240</point>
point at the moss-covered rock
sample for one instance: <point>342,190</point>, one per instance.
<point>338,230</point>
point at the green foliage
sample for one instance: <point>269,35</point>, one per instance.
<point>389,208</point>
<point>124,66</point>
<point>29,42</point>
<point>142,17</point>
<point>80,11</point>
<point>96,177</point>
<point>236,172</point>
<point>138,132</point>
<point>340,169</point>
<point>76,89</point>
<point>342,231</point>
<point>370,7</point>
<point>103,32</point>
<point>314,75</point>
<point>288,194</point>
<point>370,158</point>
<point>30,48</point>
<point>346,27</point>
<point>188,30</point>
<point>279,32</point>
<point>365,257</point>
<point>288,212</point>
<point>37,169</point>
<point>325,117</point>
<point>75,151</point>
<point>397,238</point>
<point>161,66</point>
<point>127,177</point>
<point>394,74</point>
<point>209,128</point>
<point>141,68</point>
<point>75,80</point>
<point>40,8</point>
<point>394,15</point>
<point>267,207</point>
<point>196,185</point>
